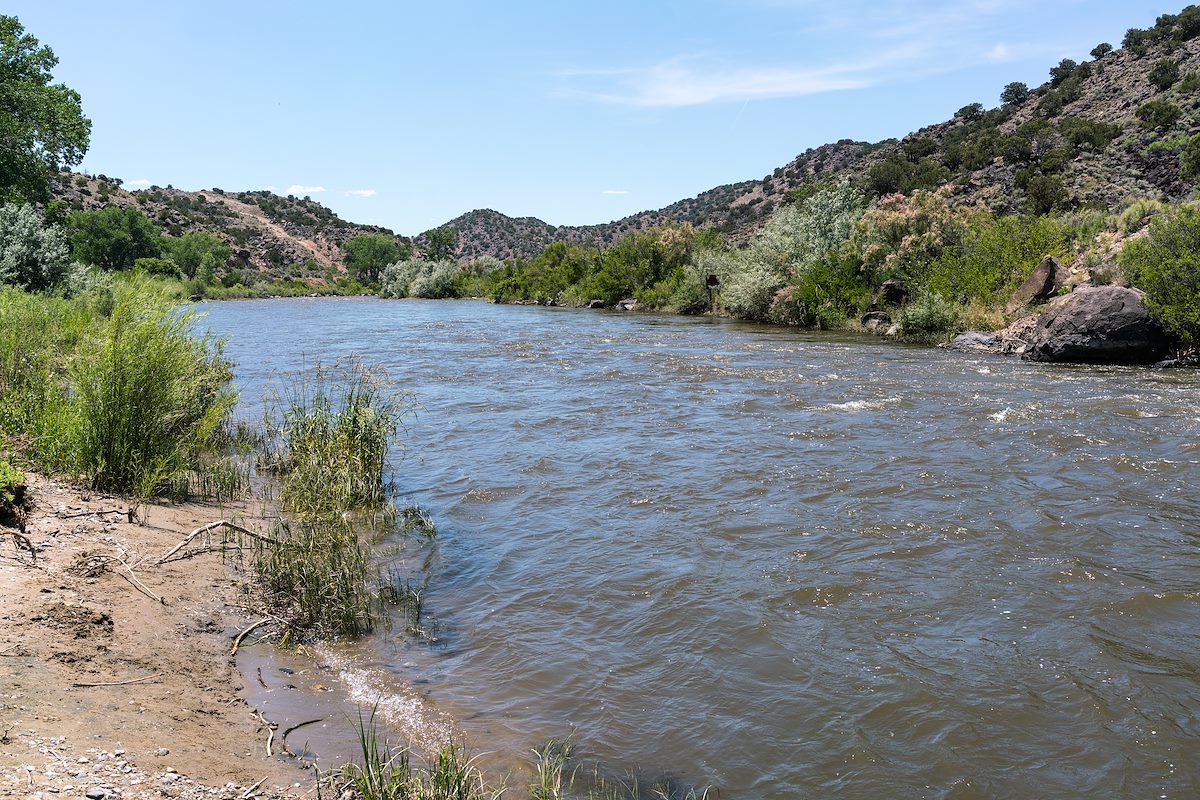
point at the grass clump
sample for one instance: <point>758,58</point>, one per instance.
<point>328,441</point>
<point>388,772</point>
<point>930,318</point>
<point>329,436</point>
<point>116,388</point>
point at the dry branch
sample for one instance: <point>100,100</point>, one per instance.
<point>120,683</point>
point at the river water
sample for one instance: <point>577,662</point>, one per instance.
<point>785,564</point>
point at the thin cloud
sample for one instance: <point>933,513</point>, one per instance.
<point>999,53</point>
<point>140,182</point>
<point>298,189</point>
<point>360,192</point>
<point>615,191</point>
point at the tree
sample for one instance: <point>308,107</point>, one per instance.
<point>1062,71</point>
<point>1014,94</point>
<point>439,243</point>
<point>42,127</point>
<point>112,238</point>
<point>1101,50</point>
<point>970,113</point>
<point>32,257</point>
<point>367,255</point>
<point>189,251</point>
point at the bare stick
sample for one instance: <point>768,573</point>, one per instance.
<point>270,738</point>
<point>96,511</point>
<point>119,683</point>
<point>301,725</point>
<point>212,526</point>
<point>134,582</point>
<point>238,641</point>
<point>21,540</point>
<point>246,794</point>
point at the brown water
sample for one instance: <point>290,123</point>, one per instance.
<point>785,564</point>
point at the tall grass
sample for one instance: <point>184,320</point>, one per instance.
<point>329,436</point>
<point>121,391</point>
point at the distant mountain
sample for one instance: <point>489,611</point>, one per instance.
<point>1101,133</point>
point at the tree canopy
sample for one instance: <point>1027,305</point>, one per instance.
<point>367,255</point>
<point>439,243</point>
<point>113,238</point>
<point>42,127</point>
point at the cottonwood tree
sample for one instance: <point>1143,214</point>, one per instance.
<point>42,127</point>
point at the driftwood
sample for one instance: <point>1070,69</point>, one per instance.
<point>119,683</point>
<point>246,794</point>
<point>238,641</point>
<point>209,528</point>
<point>283,738</point>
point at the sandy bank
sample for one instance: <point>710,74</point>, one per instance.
<point>74,616</point>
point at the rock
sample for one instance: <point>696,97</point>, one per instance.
<point>874,320</point>
<point>893,331</point>
<point>975,342</point>
<point>96,794</point>
<point>1039,286</point>
<point>1016,338</point>
<point>627,305</point>
<point>162,751</point>
<point>892,292</point>
<point>1098,325</point>
<point>595,304</point>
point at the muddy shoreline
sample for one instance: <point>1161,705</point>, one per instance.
<point>116,676</point>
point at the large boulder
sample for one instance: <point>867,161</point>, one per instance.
<point>1098,325</point>
<point>874,320</point>
<point>974,342</point>
<point>1039,287</point>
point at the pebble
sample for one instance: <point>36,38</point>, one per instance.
<point>96,794</point>
<point>169,778</point>
<point>162,751</point>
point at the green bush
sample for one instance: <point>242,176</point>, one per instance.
<point>995,256</point>
<point>12,486</point>
<point>32,256</point>
<point>1166,266</point>
<point>1156,114</point>
<point>112,238</point>
<point>1164,74</point>
<point>930,317</point>
<point>1189,160</point>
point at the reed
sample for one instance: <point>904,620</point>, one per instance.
<point>387,772</point>
<point>328,437</point>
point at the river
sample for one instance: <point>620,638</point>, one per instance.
<point>785,564</point>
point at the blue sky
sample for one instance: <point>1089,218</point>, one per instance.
<point>409,114</point>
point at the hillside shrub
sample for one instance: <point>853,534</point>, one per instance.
<point>1166,266</point>
<point>1164,74</point>
<point>1189,160</point>
<point>1155,114</point>
<point>1044,194</point>
<point>996,254</point>
<point>1138,214</point>
<point>903,235</point>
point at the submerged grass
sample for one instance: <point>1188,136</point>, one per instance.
<point>329,433</point>
<point>559,777</point>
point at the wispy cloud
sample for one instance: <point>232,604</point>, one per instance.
<point>615,191</point>
<point>360,192</point>
<point>140,182</point>
<point>686,81</point>
<point>296,188</point>
<point>892,40</point>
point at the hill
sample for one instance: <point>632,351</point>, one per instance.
<point>1096,135</point>
<point>279,238</point>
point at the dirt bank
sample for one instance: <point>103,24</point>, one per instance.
<point>106,691</point>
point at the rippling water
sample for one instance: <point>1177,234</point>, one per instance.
<point>787,564</point>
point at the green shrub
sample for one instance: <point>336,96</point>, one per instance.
<point>1156,114</point>
<point>1164,74</point>
<point>1166,265</point>
<point>112,238</point>
<point>1138,214</point>
<point>12,486</point>
<point>930,317</point>
<point>32,256</point>
<point>1189,160</point>
<point>995,256</point>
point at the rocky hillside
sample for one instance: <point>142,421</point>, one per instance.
<point>279,237</point>
<point>1097,135</point>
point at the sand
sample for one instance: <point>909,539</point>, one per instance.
<point>73,613</point>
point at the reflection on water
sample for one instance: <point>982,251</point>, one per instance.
<point>784,563</point>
